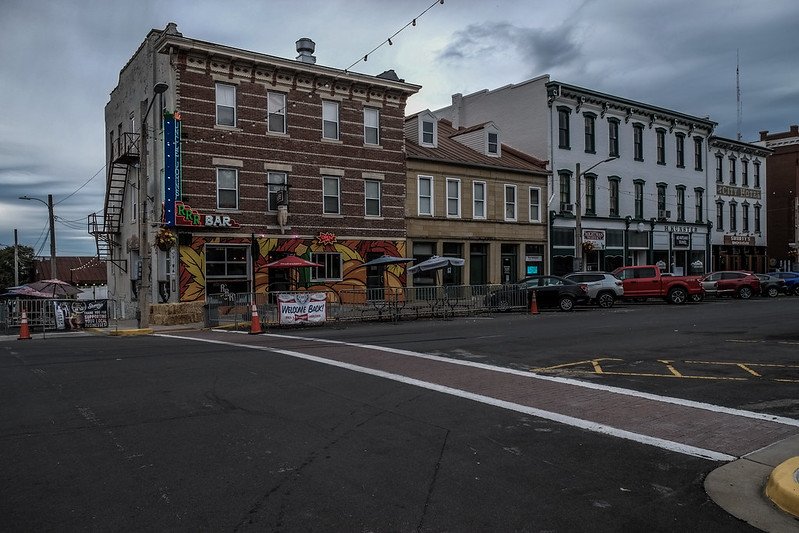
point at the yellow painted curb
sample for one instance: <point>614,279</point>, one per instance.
<point>129,332</point>
<point>783,486</point>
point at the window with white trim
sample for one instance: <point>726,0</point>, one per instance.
<point>535,204</point>
<point>428,133</point>
<point>227,188</point>
<point>372,197</point>
<point>330,120</point>
<point>330,269</point>
<point>371,125</point>
<point>225,104</point>
<point>331,195</point>
<point>425,194</point>
<point>276,112</point>
<point>276,185</point>
<point>478,199</point>
<point>510,203</point>
<point>493,143</point>
<point>733,215</point>
<point>453,197</point>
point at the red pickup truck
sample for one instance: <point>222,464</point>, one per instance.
<point>646,281</point>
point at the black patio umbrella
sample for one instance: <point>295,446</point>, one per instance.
<point>55,287</point>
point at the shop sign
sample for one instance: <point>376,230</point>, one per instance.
<point>682,240</point>
<point>300,308</point>
<point>533,258</point>
<point>680,229</point>
<point>595,237</point>
<point>738,240</point>
<point>79,314</point>
<point>172,167</point>
<point>186,216</point>
<point>741,192</point>
<point>325,237</point>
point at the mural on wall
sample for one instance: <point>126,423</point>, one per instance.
<point>353,252</point>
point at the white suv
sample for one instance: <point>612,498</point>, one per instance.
<point>603,288</point>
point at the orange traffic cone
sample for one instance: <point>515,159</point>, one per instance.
<point>533,304</point>
<point>255,327</point>
<point>24,332</point>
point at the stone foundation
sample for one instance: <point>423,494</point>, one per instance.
<point>177,313</point>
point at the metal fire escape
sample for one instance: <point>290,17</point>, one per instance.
<point>106,227</point>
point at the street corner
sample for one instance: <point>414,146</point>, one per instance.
<point>129,332</point>
<point>782,487</point>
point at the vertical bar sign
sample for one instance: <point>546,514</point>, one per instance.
<point>169,169</point>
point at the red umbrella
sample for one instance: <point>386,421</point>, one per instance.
<point>292,261</point>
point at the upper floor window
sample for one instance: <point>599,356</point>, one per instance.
<point>331,195</point>
<point>732,171</point>
<point>745,217</point>
<point>680,203</point>
<point>276,112</point>
<point>371,125</point>
<point>661,200</point>
<point>225,104</point>
<point>227,188</point>
<point>613,137</point>
<point>425,193</point>
<point>661,146</point>
<point>510,202</point>
<point>590,194</point>
<point>565,190</point>
<point>428,132</point>
<point>330,120</point>
<point>613,196</point>
<point>745,173</point>
<point>493,143</point>
<point>756,166</point>
<point>639,198</point>
<point>719,215</point>
<point>680,145</point>
<point>590,132</point>
<point>757,218</point>
<point>276,189</point>
<point>563,127</point>
<point>535,204</point>
<point>638,142</point>
<point>699,195</point>
<point>733,216</point>
<point>453,197</point>
<point>372,195</point>
<point>698,150</point>
<point>719,172</point>
<point>479,199</point>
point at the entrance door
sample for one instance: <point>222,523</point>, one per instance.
<point>375,278</point>
<point>510,261</point>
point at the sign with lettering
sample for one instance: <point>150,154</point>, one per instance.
<point>304,307</point>
<point>738,240</point>
<point>172,178</point>
<point>595,237</point>
<point>682,240</point>
<point>680,229</point>
<point>186,216</point>
<point>741,192</point>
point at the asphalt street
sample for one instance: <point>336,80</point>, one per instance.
<point>153,433</point>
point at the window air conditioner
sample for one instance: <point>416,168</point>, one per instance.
<point>568,208</point>
<point>663,213</point>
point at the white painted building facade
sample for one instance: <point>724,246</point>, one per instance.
<point>649,204</point>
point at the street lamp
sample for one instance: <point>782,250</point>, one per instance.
<point>578,221</point>
<point>49,204</point>
<point>144,230</point>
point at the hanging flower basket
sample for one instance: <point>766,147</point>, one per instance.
<point>588,246</point>
<point>165,239</point>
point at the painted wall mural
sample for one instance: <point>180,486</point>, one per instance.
<point>353,253</point>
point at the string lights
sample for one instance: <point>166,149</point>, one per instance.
<point>389,40</point>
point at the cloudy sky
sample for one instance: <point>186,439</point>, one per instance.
<point>59,60</point>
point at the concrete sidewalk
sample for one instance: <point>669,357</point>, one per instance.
<point>131,327</point>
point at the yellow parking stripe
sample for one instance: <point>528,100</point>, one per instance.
<point>670,368</point>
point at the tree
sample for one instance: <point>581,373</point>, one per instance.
<point>25,256</point>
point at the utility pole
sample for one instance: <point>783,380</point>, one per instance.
<point>578,221</point>
<point>53,269</point>
<point>16,259</point>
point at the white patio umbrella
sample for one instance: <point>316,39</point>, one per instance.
<point>436,262</point>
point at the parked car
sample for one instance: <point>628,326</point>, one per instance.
<point>791,280</point>
<point>550,291</point>
<point>646,281</point>
<point>771,286</point>
<point>603,288</point>
<point>731,283</point>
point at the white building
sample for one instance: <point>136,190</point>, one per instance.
<point>643,168</point>
<point>739,214</point>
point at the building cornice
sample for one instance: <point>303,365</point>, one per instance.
<point>739,146</point>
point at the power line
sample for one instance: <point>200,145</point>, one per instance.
<point>388,41</point>
<point>82,186</point>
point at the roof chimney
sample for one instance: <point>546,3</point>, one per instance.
<point>794,129</point>
<point>306,47</point>
<point>763,135</point>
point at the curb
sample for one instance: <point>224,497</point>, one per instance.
<point>130,332</point>
<point>783,486</point>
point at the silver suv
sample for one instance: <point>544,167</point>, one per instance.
<point>603,288</point>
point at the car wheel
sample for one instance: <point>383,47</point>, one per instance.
<point>677,295</point>
<point>696,298</point>
<point>744,293</point>
<point>605,300</point>
<point>566,303</point>
<point>796,289</point>
<point>772,292</point>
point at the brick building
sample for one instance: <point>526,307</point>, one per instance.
<point>783,197</point>
<point>472,197</point>
<point>257,158</point>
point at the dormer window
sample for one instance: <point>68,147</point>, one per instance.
<point>493,143</point>
<point>428,132</point>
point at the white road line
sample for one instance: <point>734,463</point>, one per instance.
<point>569,381</point>
<point>548,415</point>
